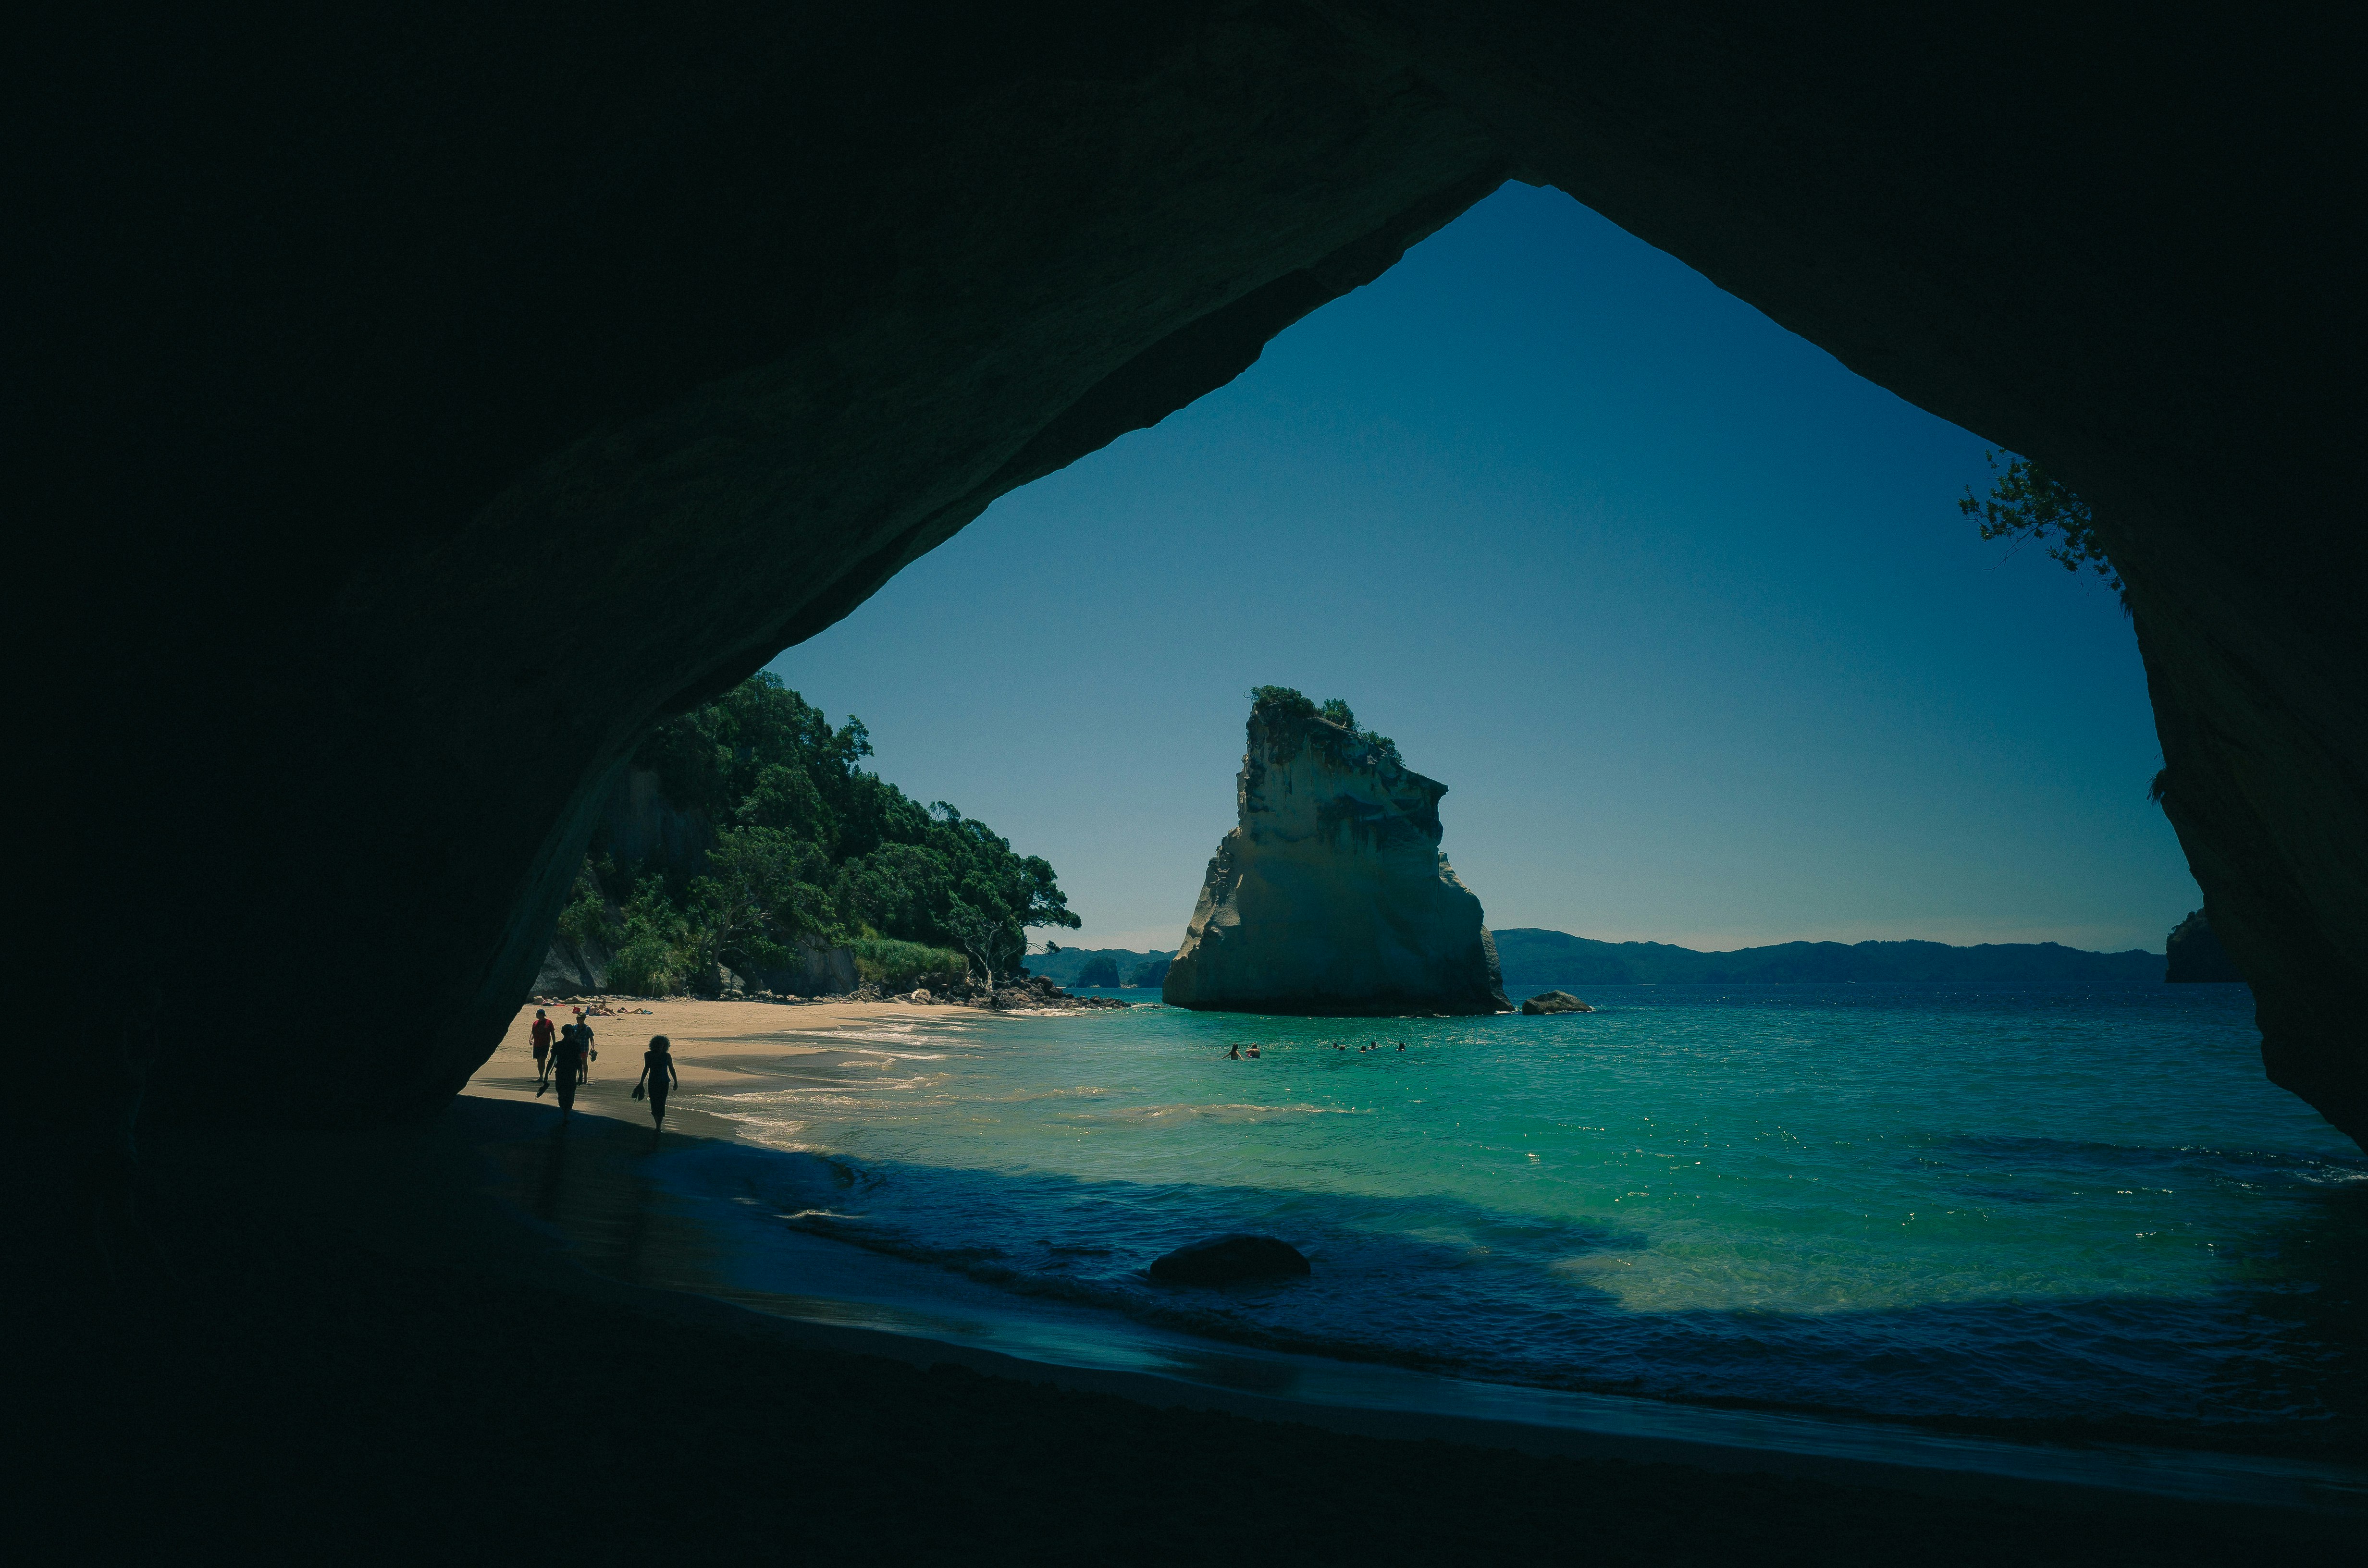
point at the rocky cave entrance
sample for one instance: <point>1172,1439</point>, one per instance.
<point>424,408</point>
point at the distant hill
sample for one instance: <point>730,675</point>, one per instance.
<point>1068,966</point>
<point>1535,957</point>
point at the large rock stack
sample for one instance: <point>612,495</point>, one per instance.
<point>1331,897</point>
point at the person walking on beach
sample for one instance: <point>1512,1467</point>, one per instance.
<point>584,1032</point>
<point>567,1065</point>
<point>543,1033</point>
<point>657,1078</point>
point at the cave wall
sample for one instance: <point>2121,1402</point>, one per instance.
<point>415,403</point>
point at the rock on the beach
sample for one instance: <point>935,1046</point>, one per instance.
<point>1554,1001</point>
<point>1330,896</point>
<point>1228,1259</point>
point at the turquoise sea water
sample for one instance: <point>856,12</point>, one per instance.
<point>2010,1207</point>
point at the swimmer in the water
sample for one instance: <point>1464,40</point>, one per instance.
<point>1254,1050</point>
<point>1235,1054</point>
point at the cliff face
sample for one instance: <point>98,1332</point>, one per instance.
<point>573,969</point>
<point>1331,897</point>
<point>638,823</point>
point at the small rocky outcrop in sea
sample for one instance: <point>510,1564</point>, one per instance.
<point>1330,896</point>
<point>2193,953</point>
<point>1554,1001</point>
<point>1229,1260</point>
<point>1028,992</point>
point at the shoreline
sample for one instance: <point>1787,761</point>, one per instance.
<point>916,1303</point>
<point>715,1045</point>
<point>393,1335</point>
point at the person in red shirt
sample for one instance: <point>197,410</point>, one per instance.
<point>543,1033</point>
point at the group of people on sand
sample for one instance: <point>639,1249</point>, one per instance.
<point>1236,1053</point>
<point>564,1058</point>
<point>572,1045</point>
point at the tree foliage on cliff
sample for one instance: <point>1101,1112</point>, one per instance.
<point>809,846</point>
<point>2027,503</point>
<point>1288,703</point>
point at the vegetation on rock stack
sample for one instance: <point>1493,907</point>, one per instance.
<point>1285,702</point>
<point>807,848</point>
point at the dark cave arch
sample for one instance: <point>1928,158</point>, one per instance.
<point>378,361</point>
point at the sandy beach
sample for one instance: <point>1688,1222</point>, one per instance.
<point>717,1046</point>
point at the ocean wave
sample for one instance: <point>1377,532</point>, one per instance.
<point>1229,1113</point>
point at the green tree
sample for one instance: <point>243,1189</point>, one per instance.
<point>987,938</point>
<point>808,844</point>
<point>655,949</point>
<point>586,920</point>
<point>762,895</point>
<point>783,796</point>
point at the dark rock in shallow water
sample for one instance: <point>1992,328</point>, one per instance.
<point>1554,1001</point>
<point>2193,954</point>
<point>1228,1259</point>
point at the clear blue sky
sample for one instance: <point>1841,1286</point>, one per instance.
<point>1680,609</point>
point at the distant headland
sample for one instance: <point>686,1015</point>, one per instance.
<point>1109,968</point>
<point>1535,957</point>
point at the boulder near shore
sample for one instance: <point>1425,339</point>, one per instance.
<point>1229,1260</point>
<point>1554,1001</point>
